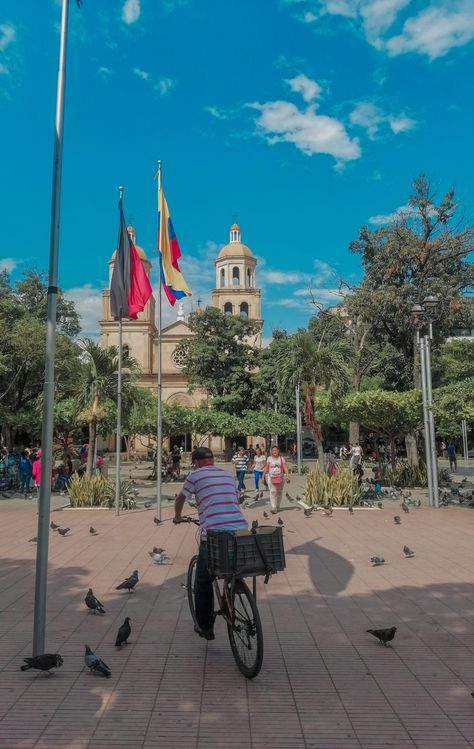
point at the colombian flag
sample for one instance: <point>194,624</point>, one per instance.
<point>171,277</point>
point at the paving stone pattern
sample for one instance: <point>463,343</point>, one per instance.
<point>325,683</point>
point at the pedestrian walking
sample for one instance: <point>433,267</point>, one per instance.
<point>451,450</point>
<point>258,465</point>
<point>377,480</point>
<point>332,468</point>
<point>241,463</point>
<point>277,471</point>
<point>356,456</point>
<point>36,470</point>
<point>24,471</point>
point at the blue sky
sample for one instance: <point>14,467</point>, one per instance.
<point>306,118</point>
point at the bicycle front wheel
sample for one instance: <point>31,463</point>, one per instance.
<point>190,586</point>
<point>245,631</point>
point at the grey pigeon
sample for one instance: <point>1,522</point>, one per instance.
<point>124,633</point>
<point>93,603</point>
<point>158,550</point>
<point>397,520</point>
<point>44,662</point>
<point>377,561</point>
<point>280,521</point>
<point>158,558</point>
<point>63,531</point>
<point>408,552</point>
<point>92,531</point>
<point>53,526</point>
<point>307,512</point>
<point>384,635</point>
<point>147,504</point>
<point>298,498</point>
<point>351,509</point>
<point>254,525</point>
<point>156,521</point>
<point>405,507</point>
<point>265,514</point>
<point>96,664</point>
<point>380,505</point>
<point>129,582</point>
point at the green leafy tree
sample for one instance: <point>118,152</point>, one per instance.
<point>220,358</point>
<point>425,250</point>
<point>23,314</point>
<point>452,404</point>
<point>390,415</point>
<point>453,362</point>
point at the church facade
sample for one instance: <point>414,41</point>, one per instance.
<point>236,293</point>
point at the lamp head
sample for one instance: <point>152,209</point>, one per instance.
<point>430,302</point>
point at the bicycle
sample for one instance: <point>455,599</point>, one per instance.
<point>237,605</point>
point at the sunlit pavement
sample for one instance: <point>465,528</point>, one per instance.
<point>325,683</point>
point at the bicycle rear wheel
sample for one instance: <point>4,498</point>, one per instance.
<point>190,586</point>
<point>245,632</point>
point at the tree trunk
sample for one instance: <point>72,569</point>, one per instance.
<point>393,457</point>
<point>412,450</point>
<point>8,434</point>
<point>91,450</point>
<point>319,445</point>
<point>354,432</point>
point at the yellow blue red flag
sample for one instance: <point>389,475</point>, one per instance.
<point>174,285</point>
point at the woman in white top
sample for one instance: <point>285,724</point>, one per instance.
<point>277,471</point>
<point>258,465</point>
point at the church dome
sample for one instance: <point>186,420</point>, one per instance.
<point>235,248</point>
<point>140,251</point>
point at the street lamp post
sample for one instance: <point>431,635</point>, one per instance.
<point>424,313</point>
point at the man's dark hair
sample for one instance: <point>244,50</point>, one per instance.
<point>202,453</point>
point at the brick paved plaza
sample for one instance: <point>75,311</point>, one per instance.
<point>325,683</point>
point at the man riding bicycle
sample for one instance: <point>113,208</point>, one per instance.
<point>219,509</point>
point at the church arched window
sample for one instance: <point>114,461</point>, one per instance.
<point>244,309</point>
<point>228,308</point>
<point>235,276</point>
<point>222,277</point>
<point>249,278</point>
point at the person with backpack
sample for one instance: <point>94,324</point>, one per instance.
<point>276,472</point>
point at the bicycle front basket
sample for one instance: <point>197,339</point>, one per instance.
<point>244,553</point>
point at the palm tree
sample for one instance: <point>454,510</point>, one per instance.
<point>99,384</point>
<point>311,365</point>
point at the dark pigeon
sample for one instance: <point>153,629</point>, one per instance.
<point>96,664</point>
<point>307,512</point>
<point>377,561</point>
<point>156,521</point>
<point>405,507</point>
<point>254,525</point>
<point>408,552</point>
<point>397,520</point>
<point>384,635</point>
<point>124,633</point>
<point>93,603</point>
<point>53,526</point>
<point>63,531</point>
<point>93,531</point>
<point>33,540</point>
<point>265,514</point>
<point>44,662</point>
<point>280,521</point>
<point>129,582</point>
<point>351,509</point>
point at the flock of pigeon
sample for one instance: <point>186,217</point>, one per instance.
<point>48,661</point>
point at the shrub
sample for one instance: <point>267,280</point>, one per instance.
<point>340,489</point>
<point>97,491</point>
<point>405,475</point>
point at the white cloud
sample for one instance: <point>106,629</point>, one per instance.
<point>88,303</point>
<point>142,74</point>
<point>7,35</point>
<point>281,121</point>
<point>371,117</point>
<point>8,264</point>
<point>131,11</point>
<point>303,85</point>
<point>281,277</point>
<point>219,114</point>
<point>389,218</point>
<point>104,72</point>
<point>378,16</point>
<point>435,30</point>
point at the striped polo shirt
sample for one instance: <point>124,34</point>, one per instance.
<point>216,499</point>
<point>241,462</point>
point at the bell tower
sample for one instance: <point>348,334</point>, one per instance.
<point>236,291</point>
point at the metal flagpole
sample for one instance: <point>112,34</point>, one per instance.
<point>298,428</point>
<point>465,443</point>
<point>48,392</point>
<point>118,436</point>
<point>426,424</point>
<point>159,417</point>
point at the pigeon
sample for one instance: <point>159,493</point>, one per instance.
<point>44,662</point>
<point>377,561</point>
<point>147,505</point>
<point>417,502</point>
<point>384,635</point>
<point>158,558</point>
<point>408,552</point>
<point>404,506</point>
<point>380,505</point>
<point>158,550</point>
<point>328,511</point>
<point>124,633</point>
<point>96,664</point>
<point>351,509</point>
<point>156,521</point>
<point>53,526</point>
<point>298,498</point>
<point>33,540</point>
<point>397,520</point>
<point>93,603</point>
<point>92,531</point>
<point>254,525</point>
<point>63,531</point>
<point>307,512</point>
<point>265,514</point>
<point>129,582</point>
<point>280,522</point>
